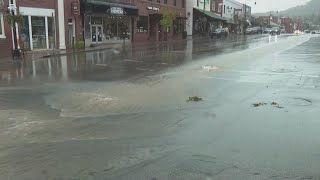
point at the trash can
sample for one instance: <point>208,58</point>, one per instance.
<point>184,35</point>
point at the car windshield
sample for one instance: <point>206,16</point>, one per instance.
<point>159,90</point>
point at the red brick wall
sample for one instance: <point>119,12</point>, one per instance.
<point>68,14</point>
<point>143,11</point>
<point>5,43</point>
<point>37,3</point>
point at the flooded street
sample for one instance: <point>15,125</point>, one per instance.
<point>121,113</point>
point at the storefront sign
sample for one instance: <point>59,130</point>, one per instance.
<point>153,8</point>
<point>116,11</point>
<point>75,8</point>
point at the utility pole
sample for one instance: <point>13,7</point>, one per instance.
<point>270,19</point>
<point>245,18</point>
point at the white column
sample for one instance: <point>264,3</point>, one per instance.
<point>62,35</point>
<point>17,27</point>
<point>47,33</point>
<point>189,22</point>
<point>30,33</point>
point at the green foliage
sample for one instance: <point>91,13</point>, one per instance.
<point>167,18</point>
<point>194,99</point>
<point>80,44</point>
<point>11,19</point>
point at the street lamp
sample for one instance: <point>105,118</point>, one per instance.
<point>245,13</point>
<point>270,17</point>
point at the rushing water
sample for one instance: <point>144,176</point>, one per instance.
<point>102,115</point>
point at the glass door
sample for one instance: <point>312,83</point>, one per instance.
<point>96,33</point>
<point>38,32</point>
<point>99,33</point>
<point>93,33</point>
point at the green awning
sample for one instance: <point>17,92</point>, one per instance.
<point>211,14</point>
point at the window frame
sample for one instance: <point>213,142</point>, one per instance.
<point>146,18</point>
<point>2,35</point>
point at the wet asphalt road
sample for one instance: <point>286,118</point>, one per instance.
<point>122,114</point>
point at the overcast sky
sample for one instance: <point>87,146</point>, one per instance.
<point>273,5</point>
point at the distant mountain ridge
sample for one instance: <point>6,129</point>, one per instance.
<point>309,9</point>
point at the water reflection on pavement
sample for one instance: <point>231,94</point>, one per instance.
<point>105,115</point>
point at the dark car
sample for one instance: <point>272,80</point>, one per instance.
<point>275,31</point>
<point>313,32</point>
<point>257,30</point>
<point>220,32</point>
<point>267,30</point>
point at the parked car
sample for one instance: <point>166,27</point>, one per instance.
<point>267,30</point>
<point>313,32</point>
<point>307,31</point>
<point>275,31</point>
<point>256,30</point>
<point>220,32</point>
<point>249,31</point>
<point>283,31</point>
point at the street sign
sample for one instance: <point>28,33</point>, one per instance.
<point>12,7</point>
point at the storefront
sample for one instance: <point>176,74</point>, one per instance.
<point>38,31</point>
<point>206,21</point>
<point>108,22</point>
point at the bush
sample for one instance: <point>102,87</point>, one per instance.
<point>80,44</point>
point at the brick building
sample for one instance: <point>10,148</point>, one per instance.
<point>288,24</point>
<point>5,32</point>
<point>48,24</point>
<point>117,21</point>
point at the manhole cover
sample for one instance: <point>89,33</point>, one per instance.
<point>295,101</point>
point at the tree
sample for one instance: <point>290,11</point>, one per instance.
<point>167,19</point>
<point>12,20</point>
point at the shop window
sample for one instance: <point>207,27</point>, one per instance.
<point>25,33</point>
<point>165,1</point>
<point>51,33</point>
<point>178,25</point>
<point>116,28</point>
<point>142,24</point>
<point>96,20</point>
<point>183,3</point>
<point>212,4</point>
<point>1,26</point>
<point>175,2</point>
<point>38,32</point>
<point>197,3</point>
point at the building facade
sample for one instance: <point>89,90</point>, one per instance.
<point>232,10</point>
<point>204,16</point>
<point>117,21</point>
<point>5,31</point>
<point>54,24</point>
